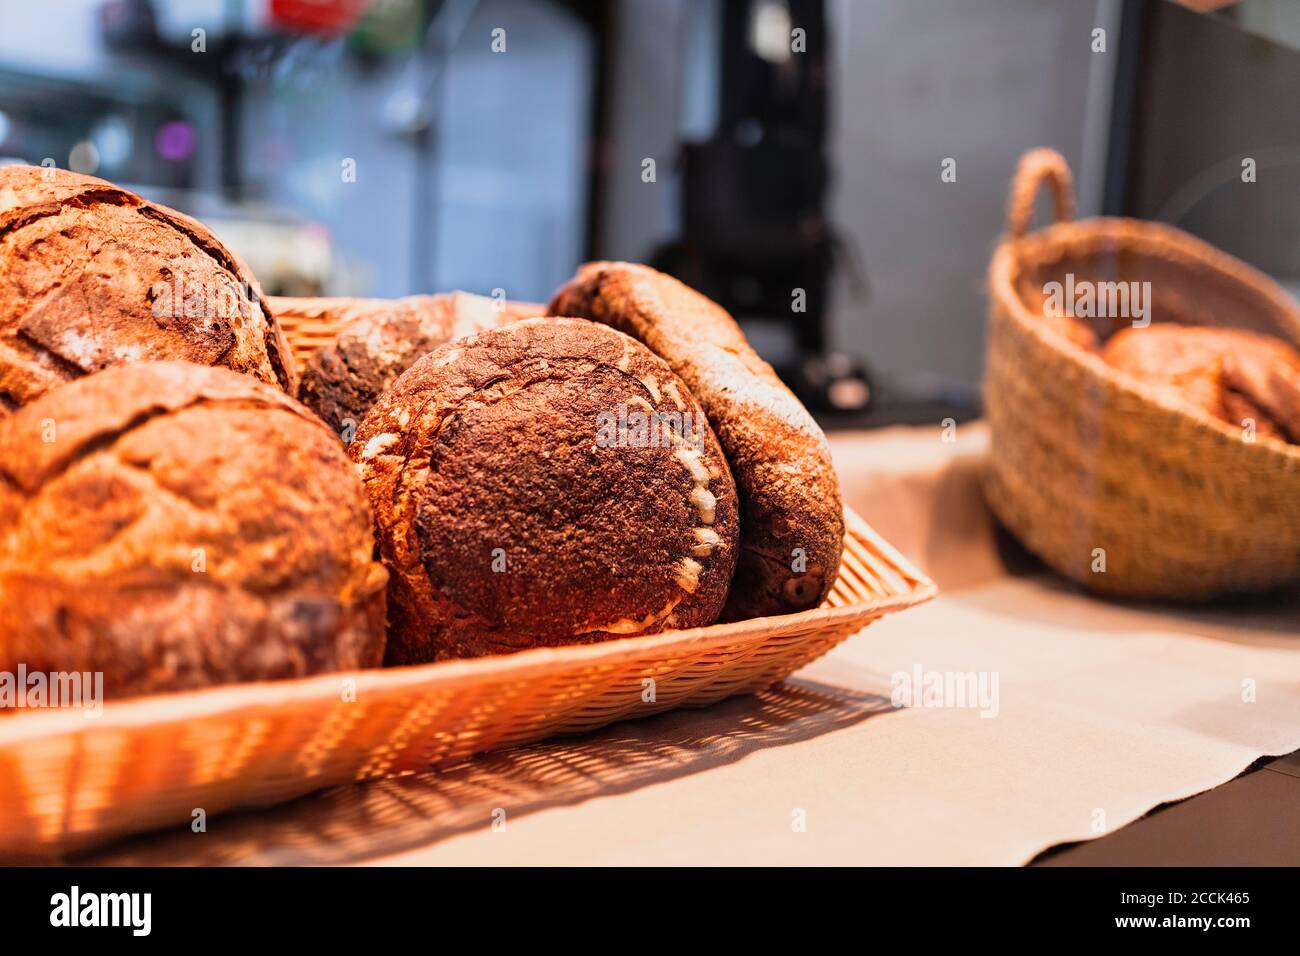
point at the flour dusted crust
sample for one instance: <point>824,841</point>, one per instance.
<point>381,341</point>
<point>1231,374</point>
<point>93,276</point>
<point>791,516</point>
<point>176,526</point>
<point>508,519</point>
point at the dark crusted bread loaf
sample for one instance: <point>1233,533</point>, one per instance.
<point>1232,374</point>
<point>525,496</point>
<point>382,339</point>
<point>791,519</point>
<point>93,276</point>
<point>176,526</point>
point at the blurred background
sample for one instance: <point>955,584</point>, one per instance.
<point>833,171</point>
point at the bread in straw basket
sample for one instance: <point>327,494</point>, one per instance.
<point>1113,485</point>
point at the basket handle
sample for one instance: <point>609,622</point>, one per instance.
<point>1035,166</point>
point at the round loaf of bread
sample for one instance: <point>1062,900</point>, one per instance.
<point>93,276</point>
<point>174,526</point>
<point>791,519</point>
<point>382,339</point>
<point>547,482</point>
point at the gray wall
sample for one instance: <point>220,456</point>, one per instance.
<point>645,121</point>
<point>512,196</point>
<point>913,84</point>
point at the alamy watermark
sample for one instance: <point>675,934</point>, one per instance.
<point>133,911</point>
<point>1085,299</point>
<point>43,690</point>
<point>178,299</point>
<point>633,428</point>
<point>919,688</point>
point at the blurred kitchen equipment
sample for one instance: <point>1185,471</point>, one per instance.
<point>755,236</point>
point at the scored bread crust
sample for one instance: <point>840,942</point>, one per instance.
<point>382,339</point>
<point>175,526</point>
<point>792,521</point>
<point>509,519</point>
<point>92,275</point>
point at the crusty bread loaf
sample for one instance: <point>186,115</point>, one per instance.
<point>382,339</point>
<point>791,519</point>
<point>513,511</point>
<point>93,276</point>
<point>1232,374</point>
<point>1268,376</point>
<point>175,526</point>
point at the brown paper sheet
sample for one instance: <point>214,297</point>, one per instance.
<point>1102,711</point>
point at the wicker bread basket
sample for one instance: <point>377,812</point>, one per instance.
<point>1090,469</point>
<point>68,781</point>
<point>312,324</point>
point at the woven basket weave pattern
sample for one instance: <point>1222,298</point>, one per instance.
<point>1082,457</point>
<point>309,333</point>
<point>68,782</point>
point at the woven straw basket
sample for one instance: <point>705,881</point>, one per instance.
<point>68,781</point>
<point>1083,457</point>
<point>310,329</point>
